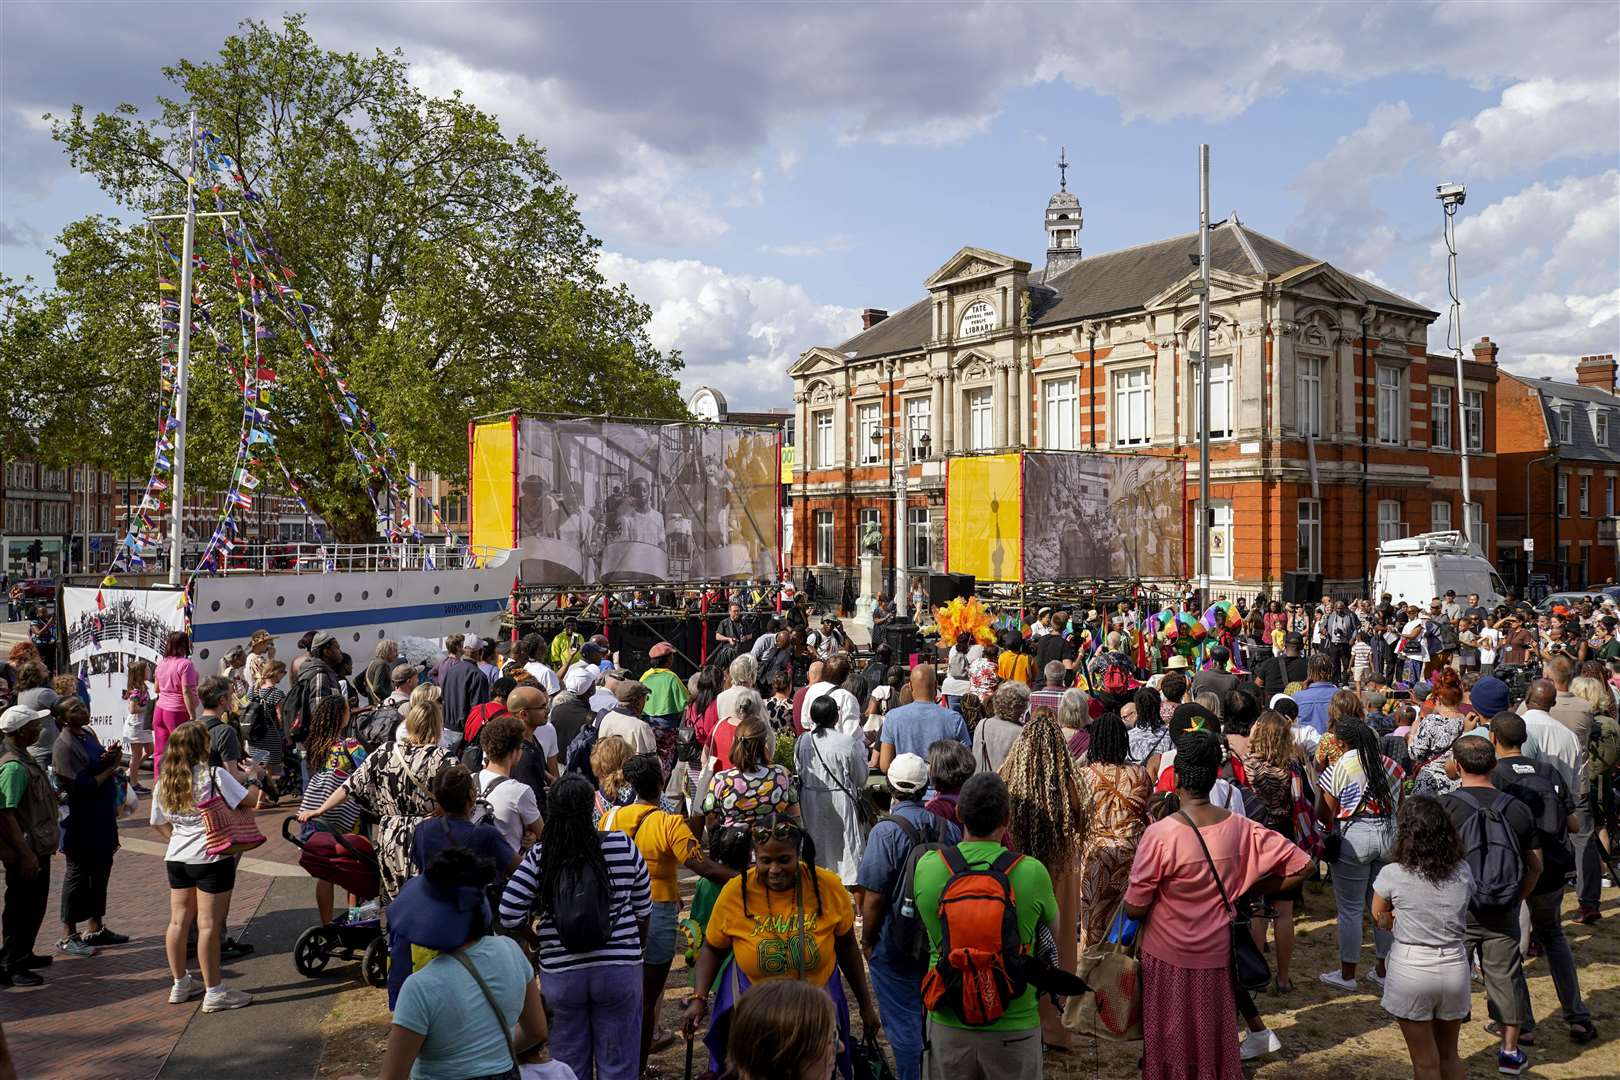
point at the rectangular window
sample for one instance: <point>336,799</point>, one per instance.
<point>824,538</point>
<point>106,519</point>
<point>823,422</point>
<point>1220,398</point>
<point>1390,526</point>
<point>1390,425</point>
<point>1584,500</point>
<point>78,479</point>
<point>1132,407</point>
<point>981,436</point>
<point>919,419</point>
<point>1440,517</point>
<point>1474,420</point>
<point>1566,424</point>
<point>917,547</point>
<point>106,483</point>
<point>868,446</point>
<point>78,519</point>
<point>1608,498</point>
<point>1309,533</point>
<point>1308,396</point>
<point>1062,408</point>
<point>1600,427</point>
<point>1440,417</point>
<point>1563,496</point>
<point>1477,532</point>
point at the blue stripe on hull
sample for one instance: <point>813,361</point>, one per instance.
<point>241,629</point>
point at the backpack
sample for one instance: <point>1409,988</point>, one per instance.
<point>483,811</point>
<point>1540,794</point>
<point>907,935</point>
<point>980,969</point>
<point>292,710</point>
<point>1492,852</point>
<point>1118,675</point>
<point>256,719</point>
<point>1445,633</point>
<point>376,726</point>
<point>577,758</point>
<point>581,907</point>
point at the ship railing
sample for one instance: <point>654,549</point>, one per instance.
<point>304,558</point>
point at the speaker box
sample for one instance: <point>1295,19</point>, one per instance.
<point>940,589</point>
<point>1301,588</point>
<point>901,637</point>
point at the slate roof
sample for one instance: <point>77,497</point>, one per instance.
<point>1583,443</point>
<point>1121,281</point>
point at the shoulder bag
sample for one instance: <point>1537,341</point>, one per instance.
<point>1250,969</point>
<point>1111,1008</point>
<point>866,811</point>
<point>228,830</point>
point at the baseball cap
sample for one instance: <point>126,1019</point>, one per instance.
<point>663,648</point>
<point>20,716</point>
<point>403,672</point>
<point>590,651</point>
<point>320,641</point>
<point>1294,640</point>
<point>579,680</point>
<point>1490,696</point>
<point>908,774</point>
<point>471,641</point>
<point>625,689</point>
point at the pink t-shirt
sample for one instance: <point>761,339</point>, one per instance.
<point>173,675</point>
<point>1187,923</point>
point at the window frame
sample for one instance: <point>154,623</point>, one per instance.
<point>975,397</point>
<point>823,540</point>
<point>868,422</point>
<point>1388,413</point>
<point>1435,524</point>
<point>1308,541</point>
<point>919,407</point>
<point>1220,396</point>
<point>823,442</point>
<point>1121,432</point>
<point>1309,370</point>
<point>1060,413</point>
<point>1583,495</point>
<point>1441,436</point>
<point>1566,424</point>
<point>1473,420</point>
<point>1561,490</point>
<point>1390,519</point>
<point>919,531</point>
<point>1478,531</point>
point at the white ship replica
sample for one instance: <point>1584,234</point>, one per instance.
<point>224,589</point>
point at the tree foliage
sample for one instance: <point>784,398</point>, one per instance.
<point>448,263</point>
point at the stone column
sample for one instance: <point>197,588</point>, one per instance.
<point>936,410</point>
<point>840,400</point>
<point>1023,401</point>
<point>802,433</point>
<point>1000,383</point>
<point>948,429</point>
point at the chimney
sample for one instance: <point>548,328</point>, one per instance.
<point>1596,372</point>
<point>1485,351</point>
<point>872,316</point>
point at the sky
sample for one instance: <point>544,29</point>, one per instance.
<point>759,173</point>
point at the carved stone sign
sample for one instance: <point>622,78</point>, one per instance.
<point>978,317</point>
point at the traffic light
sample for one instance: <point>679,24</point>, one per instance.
<point>36,551</point>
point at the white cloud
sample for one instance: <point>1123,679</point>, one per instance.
<point>1537,121</point>
<point>788,160</point>
<point>827,245</point>
<point>1547,228</point>
<point>1341,220</point>
<point>738,332</point>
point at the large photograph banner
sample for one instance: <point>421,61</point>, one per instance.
<point>618,502</point>
<point>1091,516</point>
<point>107,630</point>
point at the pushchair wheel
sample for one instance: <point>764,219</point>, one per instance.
<point>374,964</point>
<point>313,950</point>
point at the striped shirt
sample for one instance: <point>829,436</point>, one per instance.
<point>632,901</point>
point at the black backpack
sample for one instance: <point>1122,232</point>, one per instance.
<point>483,811</point>
<point>376,725</point>
<point>907,934</point>
<point>1445,633</point>
<point>1540,793</point>
<point>577,758</point>
<point>1492,852</point>
<point>581,907</point>
<point>256,719</point>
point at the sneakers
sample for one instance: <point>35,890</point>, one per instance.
<point>1333,978</point>
<point>225,999</point>
<point>1375,978</point>
<point>1511,1062</point>
<point>184,990</point>
<point>1259,1044</point>
<point>75,946</point>
<point>1587,916</point>
<point>104,936</point>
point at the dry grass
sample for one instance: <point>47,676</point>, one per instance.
<point>1326,1034</point>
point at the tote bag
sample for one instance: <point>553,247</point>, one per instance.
<point>227,830</point>
<point>1112,1007</point>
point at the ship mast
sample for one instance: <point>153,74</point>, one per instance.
<point>182,372</point>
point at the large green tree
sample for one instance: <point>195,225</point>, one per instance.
<point>447,263</point>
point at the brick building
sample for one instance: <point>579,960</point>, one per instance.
<point>1331,425</point>
<point>1559,456</point>
<point>61,509</point>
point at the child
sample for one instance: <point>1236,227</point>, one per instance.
<point>535,1063</point>
<point>138,725</point>
<point>1361,658</point>
<point>728,846</point>
<point>334,757</point>
<point>265,745</point>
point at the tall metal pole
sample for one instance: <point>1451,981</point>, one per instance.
<point>1456,323</point>
<point>1203,382</point>
<point>182,371</point>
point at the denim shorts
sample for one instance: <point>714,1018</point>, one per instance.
<point>661,932</point>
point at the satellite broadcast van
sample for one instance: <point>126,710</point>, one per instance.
<point>1416,569</point>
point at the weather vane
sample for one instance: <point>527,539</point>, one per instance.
<point>1063,168</point>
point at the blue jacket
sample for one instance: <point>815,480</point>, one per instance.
<point>1313,705</point>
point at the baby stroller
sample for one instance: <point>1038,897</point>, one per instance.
<point>348,862</point>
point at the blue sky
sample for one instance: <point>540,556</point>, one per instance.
<point>759,174</point>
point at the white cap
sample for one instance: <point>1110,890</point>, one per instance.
<point>471,642</point>
<point>20,716</point>
<point>580,678</point>
<point>908,774</point>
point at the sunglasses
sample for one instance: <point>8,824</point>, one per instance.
<point>781,830</point>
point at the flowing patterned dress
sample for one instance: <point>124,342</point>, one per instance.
<point>392,786</point>
<point>1431,747</point>
<point>1114,799</point>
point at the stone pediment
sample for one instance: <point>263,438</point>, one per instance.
<point>818,360</point>
<point>1182,292</point>
<point>974,264</point>
<point>1322,280</point>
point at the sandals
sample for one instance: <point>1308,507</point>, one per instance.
<point>1581,1031</point>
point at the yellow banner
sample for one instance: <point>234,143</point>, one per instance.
<point>789,456</point>
<point>984,517</point>
<point>492,468</point>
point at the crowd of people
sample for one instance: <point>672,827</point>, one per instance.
<point>939,847</point>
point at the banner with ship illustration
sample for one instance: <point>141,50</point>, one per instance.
<point>107,630</point>
<point>620,502</point>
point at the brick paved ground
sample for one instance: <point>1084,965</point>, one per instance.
<point>107,1017</point>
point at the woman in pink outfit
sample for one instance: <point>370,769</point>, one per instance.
<point>176,679</point>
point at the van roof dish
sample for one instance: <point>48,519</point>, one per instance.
<point>1433,543</point>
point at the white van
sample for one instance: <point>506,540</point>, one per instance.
<point>1416,569</point>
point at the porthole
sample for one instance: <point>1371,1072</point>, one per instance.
<point>214,606</point>
<point>365,594</point>
<point>337,598</point>
<point>312,598</point>
<point>381,634</point>
<point>467,625</point>
<point>280,601</point>
<point>435,590</point>
<point>248,603</point>
<point>475,586</point>
<point>390,595</point>
<point>357,635</point>
<point>203,655</point>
